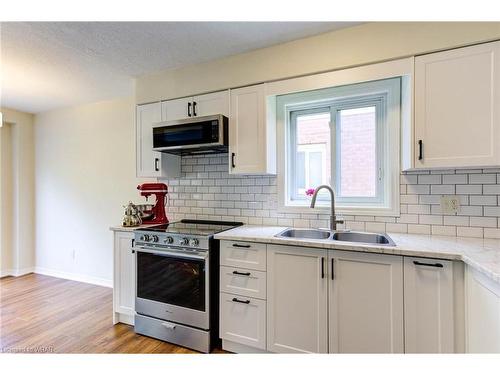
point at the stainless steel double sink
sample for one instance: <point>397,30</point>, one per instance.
<point>342,236</point>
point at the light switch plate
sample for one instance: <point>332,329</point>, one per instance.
<point>450,204</point>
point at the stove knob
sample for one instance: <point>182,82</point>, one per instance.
<point>168,240</point>
<point>194,242</point>
<point>141,238</point>
<point>184,241</point>
<point>146,238</point>
<point>155,238</point>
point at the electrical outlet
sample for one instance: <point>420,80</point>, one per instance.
<point>450,204</point>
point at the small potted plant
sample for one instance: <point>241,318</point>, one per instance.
<point>310,193</point>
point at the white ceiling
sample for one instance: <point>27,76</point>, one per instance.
<point>51,65</point>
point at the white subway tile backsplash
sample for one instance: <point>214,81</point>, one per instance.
<point>419,229</point>
<point>440,230</point>
<point>469,189</point>
<point>492,211</point>
<point>207,190</point>
<point>462,221</point>
<point>484,222</point>
<point>483,200</point>
<point>491,189</point>
<point>443,189</point>
<point>482,179</point>
<point>470,232</point>
<point>429,179</point>
<point>455,179</point>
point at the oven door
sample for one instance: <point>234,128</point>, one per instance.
<point>173,285</point>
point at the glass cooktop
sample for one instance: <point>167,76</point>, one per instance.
<point>195,227</point>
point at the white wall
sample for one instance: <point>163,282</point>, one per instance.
<point>6,200</point>
<point>85,173</point>
<point>17,193</point>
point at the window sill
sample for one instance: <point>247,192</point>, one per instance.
<point>340,210</point>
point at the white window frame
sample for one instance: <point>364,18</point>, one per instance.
<point>387,90</point>
<point>307,149</point>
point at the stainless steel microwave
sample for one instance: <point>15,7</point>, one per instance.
<point>199,135</point>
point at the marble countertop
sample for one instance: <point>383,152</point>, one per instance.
<point>119,228</point>
<point>480,253</point>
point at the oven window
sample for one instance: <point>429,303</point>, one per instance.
<point>176,281</point>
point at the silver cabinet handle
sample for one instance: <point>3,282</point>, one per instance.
<point>168,325</point>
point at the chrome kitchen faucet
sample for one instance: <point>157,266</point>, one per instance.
<point>333,218</point>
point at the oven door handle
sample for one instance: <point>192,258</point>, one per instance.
<point>171,253</point>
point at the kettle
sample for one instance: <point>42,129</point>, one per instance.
<point>131,217</point>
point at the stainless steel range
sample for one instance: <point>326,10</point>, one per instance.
<point>177,282</point>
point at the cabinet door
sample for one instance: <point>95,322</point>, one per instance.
<point>483,313</point>
<point>296,300</point>
<point>249,139</point>
<point>243,320</point>
<point>177,109</point>
<point>457,107</point>
<point>124,276</point>
<point>212,104</point>
<point>365,303</point>
<point>148,161</point>
<point>429,317</point>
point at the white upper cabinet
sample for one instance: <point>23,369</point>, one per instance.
<point>429,306</point>
<point>150,163</point>
<point>365,303</point>
<point>252,139</point>
<point>177,109</point>
<point>297,320</point>
<point>212,104</point>
<point>457,107</point>
<point>201,105</point>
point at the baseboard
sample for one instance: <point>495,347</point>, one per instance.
<point>74,276</point>
<point>17,272</point>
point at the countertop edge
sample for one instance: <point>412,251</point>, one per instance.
<point>269,238</point>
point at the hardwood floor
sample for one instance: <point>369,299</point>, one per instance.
<point>61,316</point>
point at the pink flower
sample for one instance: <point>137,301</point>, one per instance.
<point>310,192</point>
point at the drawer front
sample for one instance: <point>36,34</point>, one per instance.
<point>243,320</point>
<point>243,255</point>
<point>244,282</point>
<point>174,333</point>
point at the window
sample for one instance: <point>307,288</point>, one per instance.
<point>343,137</point>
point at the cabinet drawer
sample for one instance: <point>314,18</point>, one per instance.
<point>245,282</point>
<point>243,320</point>
<point>243,255</point>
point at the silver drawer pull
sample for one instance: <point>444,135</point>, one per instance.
<point>168,325</point>
<point>241,273</point>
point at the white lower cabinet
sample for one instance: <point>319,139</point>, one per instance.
<point>311,300</point>
<point>123,278</point>
<point>243,320</point>
<point>365,303</point>
<point>429,306</point>
<point>297,318</point>
<point>483,313</point>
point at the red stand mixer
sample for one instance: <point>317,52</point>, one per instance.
<point>158,211</point>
